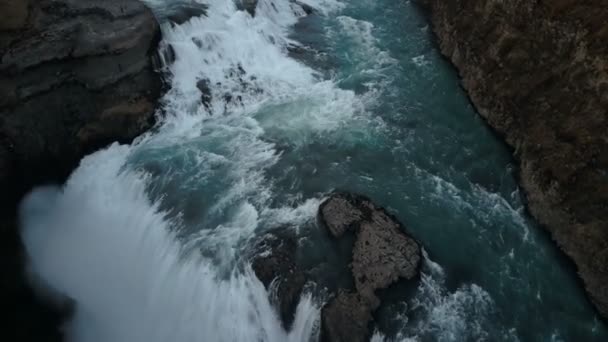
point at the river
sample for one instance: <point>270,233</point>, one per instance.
<point>151,239</point>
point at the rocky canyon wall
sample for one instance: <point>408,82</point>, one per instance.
<point>537,71</point>
<point>75,75</point>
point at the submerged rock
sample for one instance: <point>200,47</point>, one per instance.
<point>382,254</point>
<point>275,266</point>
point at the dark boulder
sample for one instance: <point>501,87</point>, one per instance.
<point>341,213</point>
<point>275,265</point>
<point>382,254</point>
<point>248,5</point>
<point>307,8</point>
<point>205,88</point>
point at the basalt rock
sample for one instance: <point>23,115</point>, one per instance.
<point>537,71</point>
<point>75,75</point>
<point>275,266</point>
<point>382,254</point>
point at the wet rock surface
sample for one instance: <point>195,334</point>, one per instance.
<point>275,265</point>
<point>382,254</point>
<point>346,319</point>
<point>537,71</point>
<point>75,75</point>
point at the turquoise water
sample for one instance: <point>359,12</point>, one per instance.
<point>370,107</point>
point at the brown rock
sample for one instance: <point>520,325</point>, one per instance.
<point>77,78</point>
<point>338,214</point>
<point>382,254</point>
<point>537,71</point>
<point>346,319</point>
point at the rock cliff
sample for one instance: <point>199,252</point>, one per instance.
<point>75,75</point>
<point>537,71</point>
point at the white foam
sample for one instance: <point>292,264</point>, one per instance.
<point>369,57</point>
<point>103,242</point>
<point>446,315</point>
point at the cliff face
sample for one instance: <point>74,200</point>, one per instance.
<point>538,72</point>
<point>75,75</point>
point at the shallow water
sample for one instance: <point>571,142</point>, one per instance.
<point>151,239</point>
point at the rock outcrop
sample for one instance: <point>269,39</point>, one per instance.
<point>75,75</point>
<point>537,71</point>
<point>382,254</point>
<point>346,318</point>
<point>275,265</point>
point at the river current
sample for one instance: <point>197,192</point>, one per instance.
<point>151,239</point>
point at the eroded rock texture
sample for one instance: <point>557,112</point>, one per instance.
<point>538,72</point>
<point>382,254</point>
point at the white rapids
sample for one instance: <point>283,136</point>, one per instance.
<point>110,245</point>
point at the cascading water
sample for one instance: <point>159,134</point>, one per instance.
<point>150,239</point>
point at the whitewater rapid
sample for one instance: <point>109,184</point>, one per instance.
<point>104,243</point>
<point>151,239</point>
